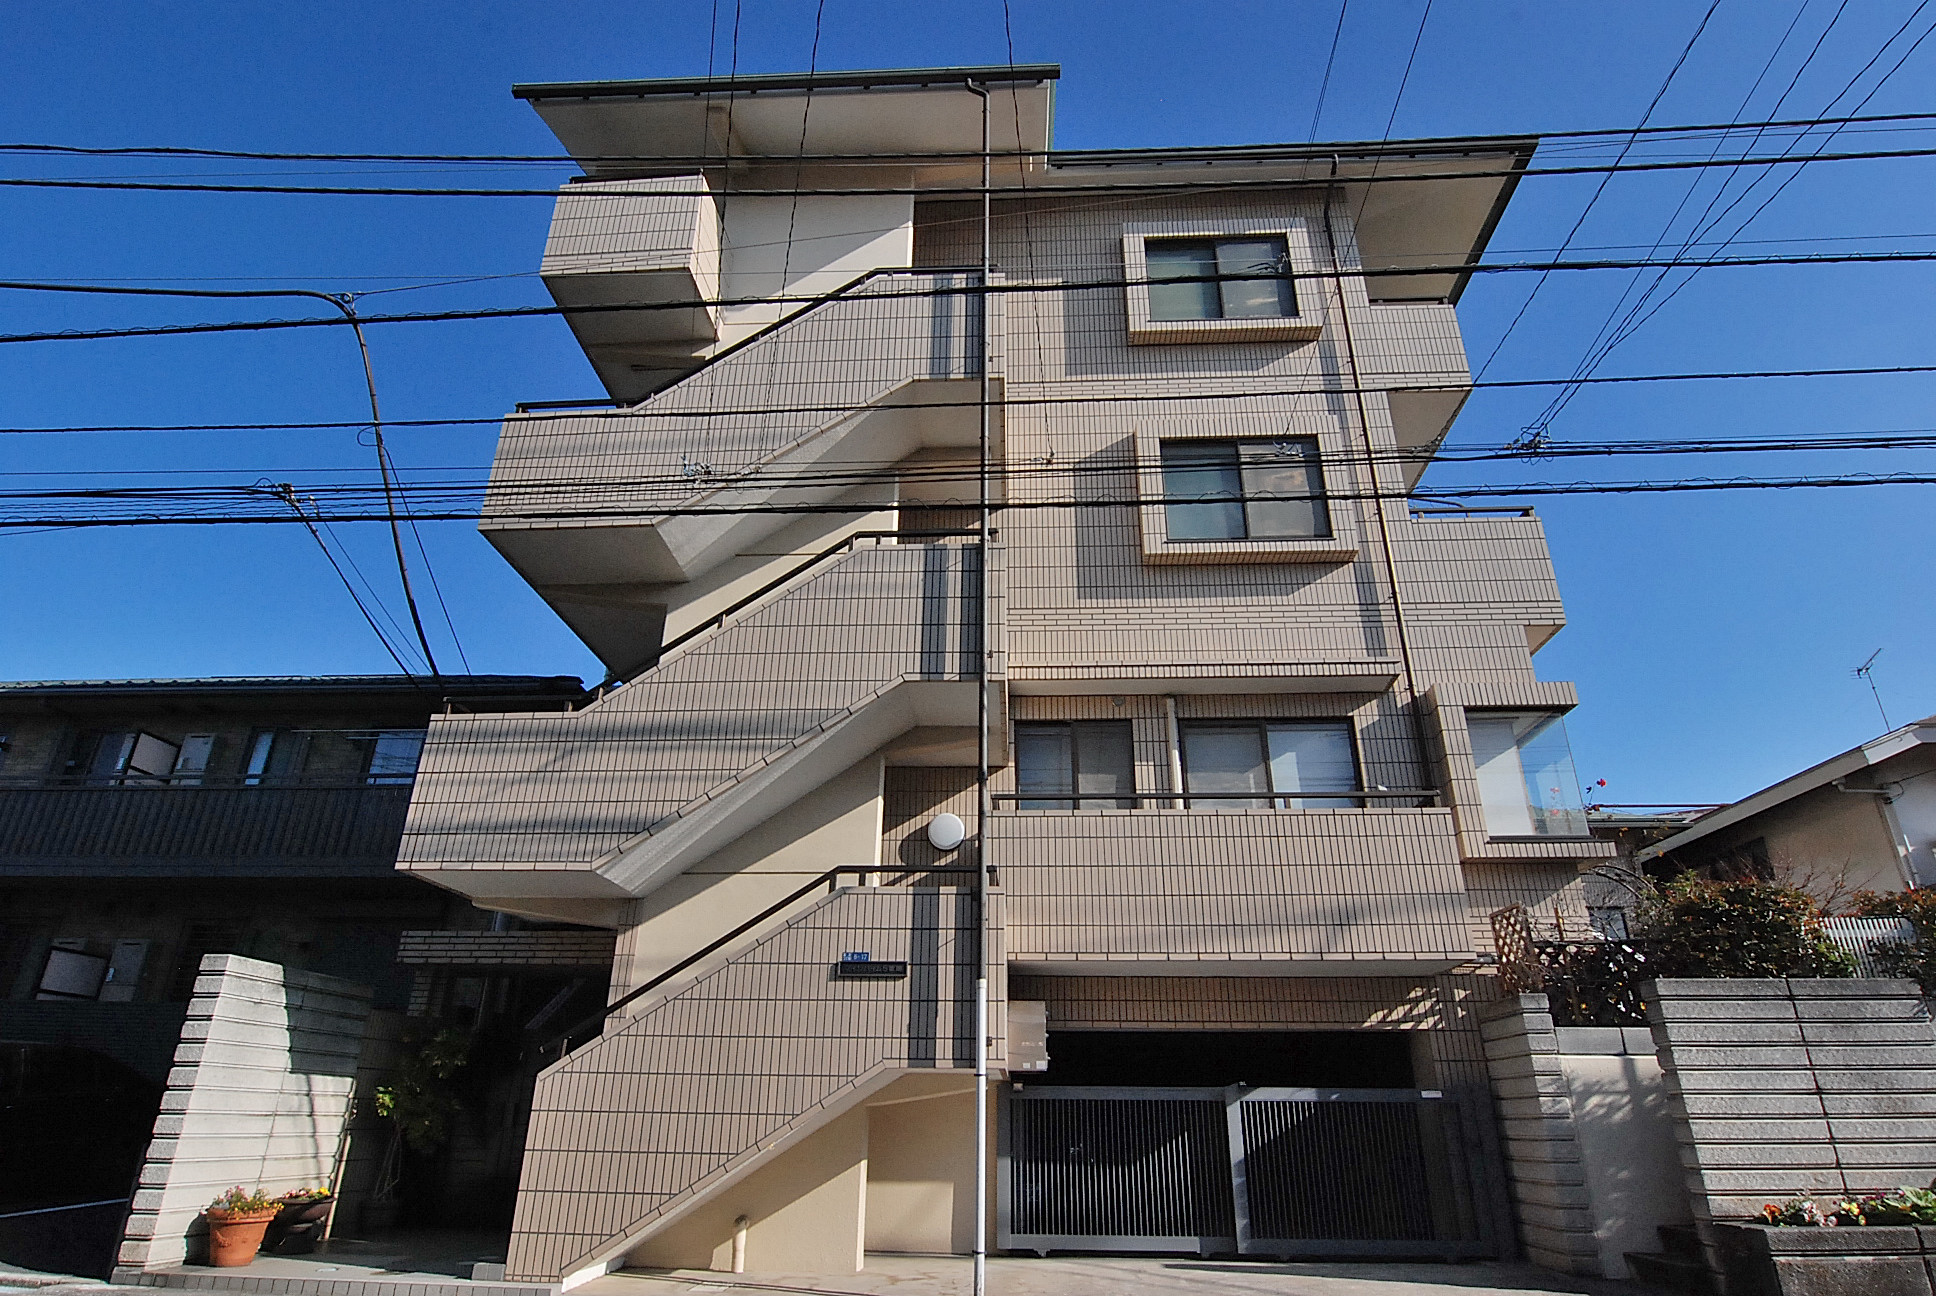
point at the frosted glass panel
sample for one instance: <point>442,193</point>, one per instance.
<point>1312,758</point>
<point>1502,784</point>
<point>1044,767</point>
<point>1527,783</point>
<point>1225,766</point>
<point>1181,301</point>
<point>1254,298</point>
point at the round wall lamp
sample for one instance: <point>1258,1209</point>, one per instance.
<point>946,831</point>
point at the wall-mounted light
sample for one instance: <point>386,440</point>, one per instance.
<point>946,831</point>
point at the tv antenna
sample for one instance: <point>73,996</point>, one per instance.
<point>1866,673</point>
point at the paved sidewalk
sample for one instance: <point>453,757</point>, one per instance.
<point>1096,1276</point>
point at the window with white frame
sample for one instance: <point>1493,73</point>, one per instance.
<point>1244,490</point>
<point>1190,278</point>
<point>1075,765</point>
<point>1527,784</point>
<point>1260,764</point>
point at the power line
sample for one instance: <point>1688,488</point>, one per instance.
<point>1324,86</point>
<point>669,159</point>
<point>933,192</point>
<point>1499,491</point>
<point>517,312</point>
<point>1587,210</point>
<point>1864,371</point>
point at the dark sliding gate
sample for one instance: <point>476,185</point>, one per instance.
<point>1288,1173</point>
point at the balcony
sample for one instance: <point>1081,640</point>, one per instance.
<point>72,830</point>
<point>1233,892</point>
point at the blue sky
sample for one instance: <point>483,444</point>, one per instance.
<point>1712,635</point>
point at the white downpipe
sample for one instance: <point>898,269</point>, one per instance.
<point>739,1245</point>
<point>1175,739</point>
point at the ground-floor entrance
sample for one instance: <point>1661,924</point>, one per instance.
<point>1290,1145</point>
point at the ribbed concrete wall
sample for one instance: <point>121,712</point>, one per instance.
<point>564,793</point>
<point>1537,1129</point>
<point>260,1090</point>
<point>805,375</point>
<point>1355,887</point>
<point>736,1064</point>
<point>1780,1087</point>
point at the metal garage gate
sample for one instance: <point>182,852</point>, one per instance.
<point>1286,1173</point>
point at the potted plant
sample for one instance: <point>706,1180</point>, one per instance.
<point>293,1231</point>
<point>236,1222</point>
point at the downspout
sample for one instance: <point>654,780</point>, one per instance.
<point>1425,763</point>
<point>983,800</point>
<point>1174,737</point>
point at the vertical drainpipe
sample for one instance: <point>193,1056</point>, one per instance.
<point>1425,774</point>
<point>983,801</point>
<point>1174,738</point>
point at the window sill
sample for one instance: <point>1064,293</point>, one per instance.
<point>1292,328</point>
<point>1329,549</point>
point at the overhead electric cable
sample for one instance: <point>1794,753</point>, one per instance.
<point>1324,86</point>
<point>1863,371</point>
<point>1635,317</point>
<point>514,312</point>
<point>960,191</point>
<point>663,159</point>
<point>1587,210</point>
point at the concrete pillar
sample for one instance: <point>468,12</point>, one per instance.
<point>1536,1125</point>
<point>259,1092</point>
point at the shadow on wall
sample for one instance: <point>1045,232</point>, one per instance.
<point>259,1096</point>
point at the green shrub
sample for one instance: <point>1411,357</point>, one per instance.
<point>1914,958</point>
<point>1701,928</point>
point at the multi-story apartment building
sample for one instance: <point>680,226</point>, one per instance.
<point>1264,740</point>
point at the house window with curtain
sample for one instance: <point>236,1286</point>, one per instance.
<point>1288,765</point>
<point>1244,490</point>
<point>1075,765</point>
<point>1203,297</point>
<point>1527,784</point>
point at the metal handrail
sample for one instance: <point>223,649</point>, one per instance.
<point>742,604</point>
<point>830,879</point>
<point>1142,797</point>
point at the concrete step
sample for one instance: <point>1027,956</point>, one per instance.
<point>1670,1274</point>
<point>1681,1242</point>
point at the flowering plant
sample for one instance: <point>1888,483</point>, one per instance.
<point>317,1193</point>
<point>1902,1206</point>
<point>243,1201</point>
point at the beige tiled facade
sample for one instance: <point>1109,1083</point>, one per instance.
<point>824,722</point>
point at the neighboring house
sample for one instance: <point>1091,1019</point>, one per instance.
<point>145,824</point>
<point>1863,820</point>
<point>1268,744</point>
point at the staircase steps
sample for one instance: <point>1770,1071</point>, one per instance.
<point>1679,1266</point>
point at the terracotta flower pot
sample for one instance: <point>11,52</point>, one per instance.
<point>235,1236</point>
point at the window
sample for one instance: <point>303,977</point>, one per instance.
<point>1527,787</point>
<point>136,757</point>
<point>1079,765</point>
<point>1186,259</point>
<point>394,754</point>
<point>1256,764</point>
<point>1244,490</point>
<point>276,754</point>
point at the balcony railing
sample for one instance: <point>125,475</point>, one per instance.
<point>1326,799</point>
<point>162,829</point>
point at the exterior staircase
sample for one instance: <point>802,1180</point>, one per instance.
<point>601,802</point>
<point>730,1066</point>
<point>607,513</point>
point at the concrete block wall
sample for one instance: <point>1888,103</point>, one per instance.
<point>258,1096</point>
<point>1536,1124</point>
<point>1779,1087</point>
